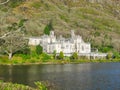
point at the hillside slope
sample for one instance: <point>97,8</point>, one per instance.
<point>98,21</point>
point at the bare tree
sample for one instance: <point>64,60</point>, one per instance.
<point>14,40</point>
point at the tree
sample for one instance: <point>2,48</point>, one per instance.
<point>61,55</point>
<point>48,28</point>
<point>14,40</point>
<point>54,54</point>
<point>74,56</point>
<point>39,49</point>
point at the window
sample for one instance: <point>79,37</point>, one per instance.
<point>53,47</point>
<point>67,46</point>
<point>82,48</point>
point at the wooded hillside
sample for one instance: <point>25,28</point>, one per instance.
<point>97,21</point>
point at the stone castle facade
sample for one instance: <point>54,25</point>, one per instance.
<point>68,46</point>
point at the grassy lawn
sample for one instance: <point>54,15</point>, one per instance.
<point>18,59</point>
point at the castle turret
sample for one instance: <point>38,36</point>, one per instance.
<point>51,33</point>
<point>72,33</point>
<point>52,37</point>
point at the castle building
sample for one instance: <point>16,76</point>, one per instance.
<point>68,46</point>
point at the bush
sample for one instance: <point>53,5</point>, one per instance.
<point>45,57</point>
<point>74,56</point>
<point>40,86</point>
<point>25,51</point>
<point>24,57</point>
<point>106,49</point>
<point>11,86</point>
<point>54,54</point>
<point>39,49</point>
<point>116,54</point>
<point>109,56</point>
<point>61,55</point>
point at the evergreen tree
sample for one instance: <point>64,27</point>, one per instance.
<point>39,49</point>
<point>61,55</point>
<point>48,28</point>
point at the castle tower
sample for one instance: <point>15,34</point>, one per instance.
<point>72,33</point>
<point>51,33</point>
<point>52,37</point>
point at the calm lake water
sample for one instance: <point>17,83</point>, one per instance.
<point>97,76</point>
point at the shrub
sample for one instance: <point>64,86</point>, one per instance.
<point>105,49</point>
<point>25,51</point>
<point>24,57</point>
<point>109,56</point>
<point>45,57</point>
<point>39,49</point>
<point>61,55</point>
<point>54,54</point>
<point>116,54</point>
<point>11,86</point>
<point>74,56</point>
<point>40,86</point>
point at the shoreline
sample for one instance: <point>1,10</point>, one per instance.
<point>17,86</point>
<point>60,62</point>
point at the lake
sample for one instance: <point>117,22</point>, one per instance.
<point>91,76</point>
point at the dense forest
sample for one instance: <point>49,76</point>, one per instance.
<point>97,21</point>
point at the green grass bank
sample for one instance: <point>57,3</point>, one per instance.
<point>11,86</point>
<point>26,60</point>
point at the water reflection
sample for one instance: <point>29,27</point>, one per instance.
<point>104,76</point>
